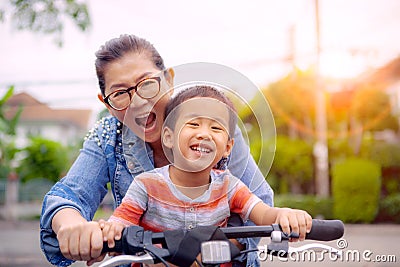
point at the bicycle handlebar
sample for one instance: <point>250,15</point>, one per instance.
<point>182,247</point>
<point>132,240</point>
<point>326,230</point>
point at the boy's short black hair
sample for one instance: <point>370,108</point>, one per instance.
<point>200,91</point>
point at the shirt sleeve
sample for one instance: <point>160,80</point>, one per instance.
<point>133,204</point>
<point>242,200</point>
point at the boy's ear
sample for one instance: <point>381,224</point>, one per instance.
<point>167,137</point>
<point>229,146</point>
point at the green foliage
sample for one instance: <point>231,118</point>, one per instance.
<point>8,128</point>
<point>47,16</point>
<point>8,152</point>
<point>391,185</point>
<point>9,93</point>
<point>8,125</point>
<point>339,149</point>
<point>44,159</point>
<point>386,154</point>
<point>389,208</point>
<point>356,189</point>
<point>318,207</point>
<point>293,163</point>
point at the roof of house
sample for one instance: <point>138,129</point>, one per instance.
<point>385,75</point>
<point>36,111</point>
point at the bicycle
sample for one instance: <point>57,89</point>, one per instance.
<point>182,247</point>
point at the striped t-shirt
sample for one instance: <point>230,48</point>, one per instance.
<point>154,202</point>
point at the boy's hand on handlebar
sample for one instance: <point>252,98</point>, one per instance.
<point>294,220</point>
<point>111,231</point>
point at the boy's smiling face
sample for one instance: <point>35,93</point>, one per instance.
<point>200,137</point>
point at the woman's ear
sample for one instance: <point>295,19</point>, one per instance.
<point>169,75</point>
<point>100,97</point>
<point>167,137</point>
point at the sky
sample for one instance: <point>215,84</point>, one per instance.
<point>255,38</point>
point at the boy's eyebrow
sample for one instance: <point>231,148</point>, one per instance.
<point>199,115</point>
<point>196,115</point>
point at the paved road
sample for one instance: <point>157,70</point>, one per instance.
<point>19,247</point>
<point>361,245</point>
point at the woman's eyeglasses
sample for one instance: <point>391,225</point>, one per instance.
<point>146,89</point>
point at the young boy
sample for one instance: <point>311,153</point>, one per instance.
<point>197,134</point>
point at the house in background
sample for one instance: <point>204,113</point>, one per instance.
<point>388,78</point>
<point>66,126</point>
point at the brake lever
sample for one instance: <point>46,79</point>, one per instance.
<point>127,259</point>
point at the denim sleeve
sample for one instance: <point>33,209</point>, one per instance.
<point>242,165</point>
<point>83,189</point>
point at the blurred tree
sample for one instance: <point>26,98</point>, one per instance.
<point>39,16</point>
<point>370,111</point>
<point>292,103</point>
<point>46,16</point>
<point>8,127</point>
<point>338,115</point>
<point>386,154</point>
<point>293,165</point>
<point>43,159</point>
<point>372,108</point>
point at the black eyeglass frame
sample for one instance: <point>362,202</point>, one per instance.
<point>129,91</point>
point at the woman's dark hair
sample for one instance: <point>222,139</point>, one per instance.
<point>171,110</point>
<point>116,48</point>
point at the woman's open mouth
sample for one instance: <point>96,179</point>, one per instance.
<point>146,121</point>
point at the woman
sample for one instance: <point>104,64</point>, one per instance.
<point>133,84</point>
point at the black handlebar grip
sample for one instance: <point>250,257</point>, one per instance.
<point>116,248</point>
<point>326,230</point>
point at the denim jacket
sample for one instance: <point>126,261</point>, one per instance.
<point>113,154</point>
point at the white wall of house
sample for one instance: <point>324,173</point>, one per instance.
<point>66,134</point>
<point>394,93</point>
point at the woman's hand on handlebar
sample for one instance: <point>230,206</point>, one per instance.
<point>294,220</point>
<point>78,239</point>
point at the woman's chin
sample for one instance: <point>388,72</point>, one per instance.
<point>151,134</point>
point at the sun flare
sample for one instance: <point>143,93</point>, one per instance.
<point>340,65</point>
